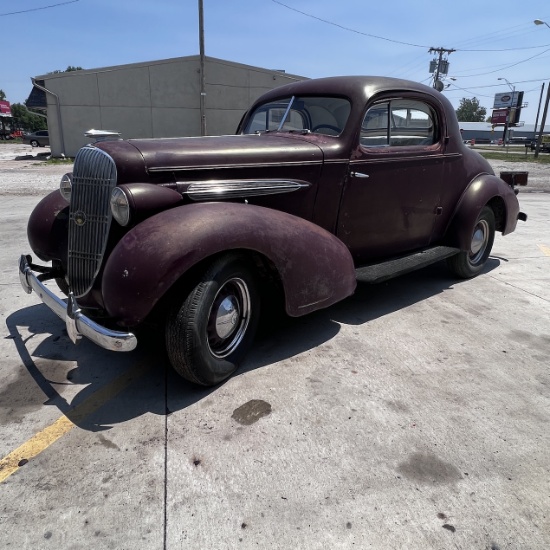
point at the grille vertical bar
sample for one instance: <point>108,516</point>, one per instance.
<point>94,176</point>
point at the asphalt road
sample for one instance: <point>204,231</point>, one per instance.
<point>412,415</point>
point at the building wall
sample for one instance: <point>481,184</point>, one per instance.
<point>156,99</point>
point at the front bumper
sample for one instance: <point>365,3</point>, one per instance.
<point>78,324</point>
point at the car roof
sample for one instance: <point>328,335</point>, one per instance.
<point>357,88</point>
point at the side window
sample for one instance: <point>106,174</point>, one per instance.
<point>399,123</point>
<point>374,130</point>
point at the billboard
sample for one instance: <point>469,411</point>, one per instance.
<point>5,109</point>
<point>508,99</point>
<point>499,116</point>
<point>507,102</point>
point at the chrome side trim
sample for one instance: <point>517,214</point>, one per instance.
<point>230,189</point>
<point>420,158</point>
<point>77,323</point>
<point>202,167</point>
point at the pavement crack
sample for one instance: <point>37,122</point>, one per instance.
<point>520,289</point>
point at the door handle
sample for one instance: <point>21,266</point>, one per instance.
<point>359,175</point>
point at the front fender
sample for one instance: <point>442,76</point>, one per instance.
<point>316,268</point>
<point>484,190</point>
<point>47,228</point>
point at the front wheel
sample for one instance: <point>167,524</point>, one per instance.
<point>469,263</point>
<point>209,333</point>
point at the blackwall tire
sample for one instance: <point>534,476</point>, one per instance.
<point>210,332</point>
<point>34,143</point>
<point>469,263</point>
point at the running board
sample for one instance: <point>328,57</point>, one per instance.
<point>383,271</point>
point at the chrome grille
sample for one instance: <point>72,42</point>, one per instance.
<point>94,176</point>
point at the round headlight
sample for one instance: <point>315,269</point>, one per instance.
<point>65,186</point>
<point>120,206</point>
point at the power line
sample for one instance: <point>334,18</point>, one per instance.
<point>500,85</point>
<point>349,29</point>
<point>470,91</point>
<point>508,34</point>
<point>506,66</point>
<point>37,9</point>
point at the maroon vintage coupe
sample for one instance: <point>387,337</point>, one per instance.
<point>326,179</point>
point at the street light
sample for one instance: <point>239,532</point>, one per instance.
<point>513,88</point>
<point>541,22</point>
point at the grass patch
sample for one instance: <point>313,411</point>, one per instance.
<point>10,141</point>
<point>59,161</point>
<point>544,158</point>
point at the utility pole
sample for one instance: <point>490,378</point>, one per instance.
<point>203,85</point>
<point>543,122</point>
<point>439,67</point>
<point>538,111</point>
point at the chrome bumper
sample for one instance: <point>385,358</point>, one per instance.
<point>78,324</point>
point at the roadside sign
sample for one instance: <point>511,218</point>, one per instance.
<point>507,99</point>
<point>5,109</point>
<point>499,117</point>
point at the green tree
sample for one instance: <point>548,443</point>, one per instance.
<point>26,120</point>
<point>2,95</point>
<point>69,69</point>
<point>470,110</point>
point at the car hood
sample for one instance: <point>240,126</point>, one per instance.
<point>225,152</point>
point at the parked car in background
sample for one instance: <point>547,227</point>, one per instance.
<point>41,138</point>
<point>326,181</point>
<point>544,145</point>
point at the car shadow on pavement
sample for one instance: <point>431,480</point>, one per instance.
<point>97,389</point>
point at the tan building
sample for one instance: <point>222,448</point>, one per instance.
<point>150,99</point>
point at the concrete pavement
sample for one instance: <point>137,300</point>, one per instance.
<point>413,415</point>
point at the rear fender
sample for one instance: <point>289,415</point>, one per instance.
<point>485,190</point>
<point>315,268</point>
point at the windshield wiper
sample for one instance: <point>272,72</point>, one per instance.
<point>286,113</point>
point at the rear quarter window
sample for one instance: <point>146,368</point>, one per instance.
<point>399,123</point>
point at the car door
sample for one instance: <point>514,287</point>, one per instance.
<point>392,194</point>
<point>43,137</point>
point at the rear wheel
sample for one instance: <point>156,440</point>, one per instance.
<point>34,143</point>
<point>209,333</point>
<point>469,263</point>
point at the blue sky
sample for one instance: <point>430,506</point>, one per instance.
<point>99,33</point>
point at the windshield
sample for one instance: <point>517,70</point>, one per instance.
<point>319,114</point>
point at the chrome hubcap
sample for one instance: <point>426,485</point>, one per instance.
<point>228,318</point>
<point>480,238</point>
